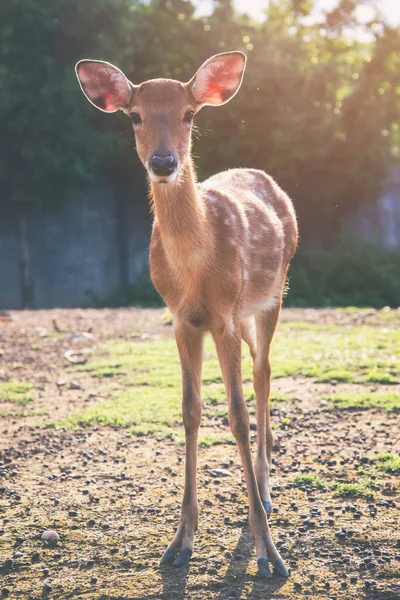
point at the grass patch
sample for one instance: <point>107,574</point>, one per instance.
<point>346,353</point>
<point>206,441</point>
<point>388,462</point>
<point>388,401</point>
<point>353,490</point>
<point>146,393</point>
<point>16,392</point>
<point>310,480</point>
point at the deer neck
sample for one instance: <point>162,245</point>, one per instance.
<point>181,217</point>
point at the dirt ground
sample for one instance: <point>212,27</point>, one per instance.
<point>114,498</point>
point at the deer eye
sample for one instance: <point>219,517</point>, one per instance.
<point>135,118</point>
<point>188,118</point>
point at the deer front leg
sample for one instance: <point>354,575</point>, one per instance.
<point>228,341</point>
<point>190,345</point>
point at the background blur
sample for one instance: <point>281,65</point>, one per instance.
<point>319,110</point>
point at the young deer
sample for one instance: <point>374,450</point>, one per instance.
<point>219,253</point>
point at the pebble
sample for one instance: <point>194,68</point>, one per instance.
<point>74,385</point>
<point>126,563</point>
<point>220,473</point>
<point>50,536</point>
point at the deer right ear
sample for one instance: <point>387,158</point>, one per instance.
<point>218,79</point>
<point>104,85</point>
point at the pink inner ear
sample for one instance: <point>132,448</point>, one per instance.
<point>109,102</point>
<point>218,80</point>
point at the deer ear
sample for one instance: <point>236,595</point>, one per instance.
<point>104,85</point>
<point>218,79</point>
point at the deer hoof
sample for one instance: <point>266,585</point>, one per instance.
<point>280,569</point>
<point>183,557</point>
<point>168,555</point>
<point>263,568</point>
<point>267,504</point>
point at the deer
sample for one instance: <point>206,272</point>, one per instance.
<point>219,255</point>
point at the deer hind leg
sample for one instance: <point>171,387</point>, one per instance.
<point>265,328</point>
<point>248,332</point>
<point>228,343</point>
<point>190,345</point>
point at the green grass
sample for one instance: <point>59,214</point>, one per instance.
<point>358,354</point>
<point>309,480</point>
<point>16,393</point>
<point>388,462</point>
<point>142,379</point>
<point>360,489</point>
<point>206,441</point>
<point>387,401</point>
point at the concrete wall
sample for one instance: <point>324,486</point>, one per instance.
<point>379,221</point>
<point>90,246</point>
<point>97,242</point>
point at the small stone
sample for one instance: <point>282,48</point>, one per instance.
<point>17,554</point>
<point>36,557</point>
<point>74,385</point>
<point>50,536</point>
<point>93,580</point>
<point>105,526</point>
<point>126,563</point>
<point>220,473</point>
<point>297,585</point>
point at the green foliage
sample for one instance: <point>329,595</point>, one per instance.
<point>345,275</point>
<point>360,489</point>
<point>15,392</point>
<point>388,462</point>
<point>309,480</point>
<point>388,401</point>
<point>317,111</point>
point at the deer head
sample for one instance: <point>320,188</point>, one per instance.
<point>162,110</point>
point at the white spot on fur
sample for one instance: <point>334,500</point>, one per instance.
<point>269,304</point>
<point>230,324</point>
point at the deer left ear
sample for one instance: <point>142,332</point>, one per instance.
<point>104,85</point>
<point>218,79</point>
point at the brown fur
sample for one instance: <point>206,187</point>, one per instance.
<point>219,254</point>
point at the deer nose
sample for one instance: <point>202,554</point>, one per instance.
<point>163,165</point>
